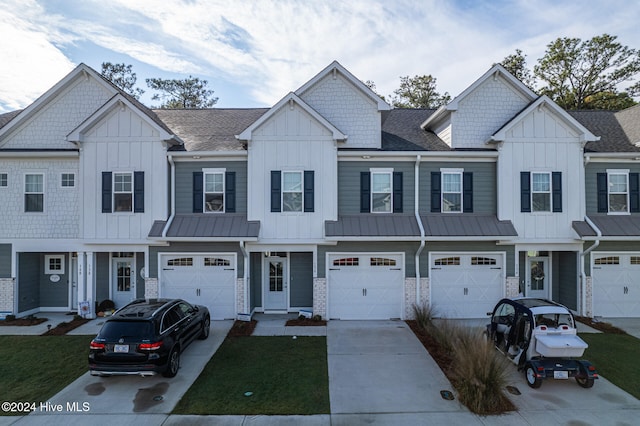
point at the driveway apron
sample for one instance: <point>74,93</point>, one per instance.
<point>381,367</point>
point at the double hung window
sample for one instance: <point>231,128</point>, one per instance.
<point>33,192</point>
<point>214,191</point>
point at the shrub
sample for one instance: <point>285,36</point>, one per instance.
<point>481,374</point>
<point>10,317</point>
<point>423,314</point>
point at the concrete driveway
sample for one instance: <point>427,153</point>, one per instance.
<point>140,395</point>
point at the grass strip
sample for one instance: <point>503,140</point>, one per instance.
<point>615,356</point>
<point>34,368</point>
<point>262,375</point>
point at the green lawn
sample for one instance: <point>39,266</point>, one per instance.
<point>284,376</point>
<point>34,368</point>
<point>616,357</point>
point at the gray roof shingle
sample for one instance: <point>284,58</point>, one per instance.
<point>401,131</point>
<point>618,131</point>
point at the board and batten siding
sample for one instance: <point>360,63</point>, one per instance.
<point>541,142</point>
<point>292,140</point>
<point>349,183</point>
<point>184,182</point>
<point>591,180</point>
<point>123,142</point>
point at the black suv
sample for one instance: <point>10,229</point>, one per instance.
<point>146,337</point>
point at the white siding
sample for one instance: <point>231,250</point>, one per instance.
<point>123,142</point>
<point>481,113</point>
<point>292,140</point>
<point>61,215</point>
<point>347,108</point>
<point>541,142</point>
<point>50,126</point>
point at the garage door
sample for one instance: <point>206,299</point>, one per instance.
<point>465,285</point>
<point>203,279</point>
<point>365,286</point>
<point>616,285</point>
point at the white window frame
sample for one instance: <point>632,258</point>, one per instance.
<point>47,264</point>
<point>4,180</point>
<point>460,173</point>
<point>206,172</point>
<point>548,192</point>
<point>283,191</point>
<point>618,172</point>
<point>34,192</point>
<point>380,171</point>
<point>114,191</point>
<point>62,180</point>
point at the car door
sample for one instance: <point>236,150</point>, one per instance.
<point>192,325</point>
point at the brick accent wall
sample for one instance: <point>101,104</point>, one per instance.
<point>589,297</point>
<point>6,294</point>
<point>240,296</point>
<point>151,288</point>
<point>512,287</point>
<point>410,295</point>
<point>320,297</point>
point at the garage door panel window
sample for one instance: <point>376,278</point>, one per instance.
<point>216,261</point>
<point>447,261</point>
<point>382,261</point>
<point>347,261</point>
<point>608,260</point>
<point>475,260</point>
<point>181,261</point>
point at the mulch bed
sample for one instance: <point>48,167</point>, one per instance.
<point>25,322</point>
<point>64,327</point>
<point>242,328</point>
<point>445,361</point>
<point>605,327</point>
<point>305,322</point>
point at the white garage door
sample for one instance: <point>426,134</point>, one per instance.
<point>365,286</point>
<point>203,279</point>
<point>616,284</point>
<point>465,285</point>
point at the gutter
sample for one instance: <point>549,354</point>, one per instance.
<point>419,220</point>
<point>583,275</point>
<point>173,197</point>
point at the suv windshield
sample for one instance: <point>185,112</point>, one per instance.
<point>137,330</point>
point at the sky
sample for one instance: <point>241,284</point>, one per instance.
<point>253,53</point>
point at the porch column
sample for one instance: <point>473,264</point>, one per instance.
<point>82,279</point>
<point>91,284</point>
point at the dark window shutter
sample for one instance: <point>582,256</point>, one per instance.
<point>397,192</point>
<point>634,192</point>
<point>556,191</point>
<point>230,192</point>
<point>198,192</point>
<point>525,192</point>
<point>467,192</point>
<point>435,192</point>
<point>138,192</point>
<point>276,185</point>
<point>603,205</point>
<point>365,192</point>
<point>106,192</point>
<point>308,190</point>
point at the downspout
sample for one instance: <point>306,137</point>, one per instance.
<point>172,196</point>
<point>583,275</point>
<point>417,214</point>
<point>245,289</point>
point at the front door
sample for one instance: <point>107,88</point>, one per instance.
<point>538,277</point>
<point>124,281</point>
<point>275,284</point>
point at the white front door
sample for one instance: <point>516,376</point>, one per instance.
<point>123,281</point>
<point>538,277</point>
<point>275,284</point>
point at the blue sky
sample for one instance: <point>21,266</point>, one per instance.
<point>255,52</point>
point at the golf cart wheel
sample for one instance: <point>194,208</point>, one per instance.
<point>585,382</point>
<point>532,380</point>
<point>174,363</point>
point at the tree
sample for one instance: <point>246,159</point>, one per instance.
<point>516,64</point>
<point>181,94</point>
<point>574,71</point>
<point>419,92</point>
<point>123,77</point>
<point>371,85</point>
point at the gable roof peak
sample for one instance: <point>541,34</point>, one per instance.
<point>334,68</point>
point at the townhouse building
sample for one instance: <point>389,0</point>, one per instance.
<point>329,201</point>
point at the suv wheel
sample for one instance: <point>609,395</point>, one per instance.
<point>206,325</point>
<point>174,363</point>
